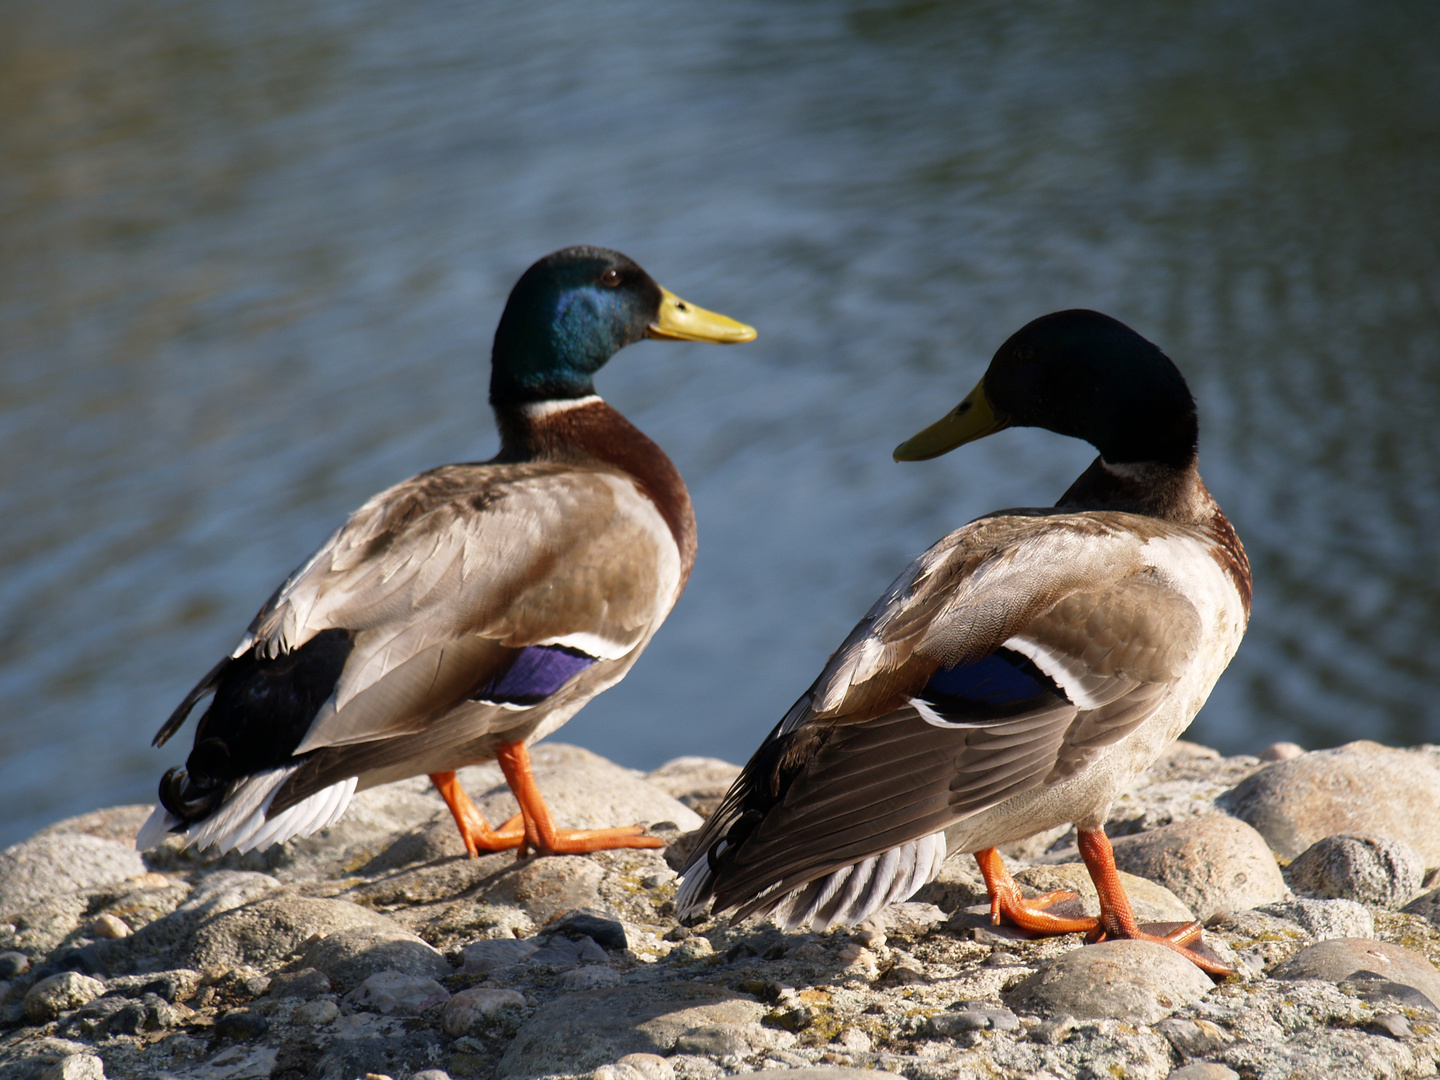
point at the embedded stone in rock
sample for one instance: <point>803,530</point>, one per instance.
<point>393,993</point>
<point>351,956</point>
<point>1152,902</point>
<point>496,954</point>
<point>1204,1070</point>
<point>265,932</point>
<point>1193,1038</point>
<point>48,998</point>
<point>546,887</point>
<point>316,1013</point>
<point>1325,919</point>
<point>583,791</point>
<point>1360,788</point>
<point>562,952</point>
<point>1385,873</point>
<point>1214,864</point>
<point>76,1067</point>
<point>821,1072</point>
<point>470,1011</point>
<point>307,983</point>
<point>581,1031</point>
<point>1426,906</point>
<point>62,864</point>
<point>1337,960</point>
<point>1123,980</point>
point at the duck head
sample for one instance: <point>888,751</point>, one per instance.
<point>573,310</point>
<point>1077,373</point>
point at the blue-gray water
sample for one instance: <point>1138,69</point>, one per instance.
<point>252,256</point>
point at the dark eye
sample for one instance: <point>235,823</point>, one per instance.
<point>610,278</point>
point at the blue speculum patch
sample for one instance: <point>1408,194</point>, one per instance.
<point>534,675</point>
<point>996,680</point>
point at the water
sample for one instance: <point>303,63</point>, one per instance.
<point>251,258</point>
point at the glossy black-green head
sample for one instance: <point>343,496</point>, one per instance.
<point>575,309</point>
<point>1077,373</point>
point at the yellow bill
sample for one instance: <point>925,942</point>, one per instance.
<point>972,419</point>
<point>680,320</point>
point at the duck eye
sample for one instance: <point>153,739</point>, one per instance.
<point>610,278</point>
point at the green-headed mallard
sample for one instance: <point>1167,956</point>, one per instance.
<point>466,612</point>
<point>1016,676</point>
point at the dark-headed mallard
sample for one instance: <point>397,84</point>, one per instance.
<point>1017,676</point>
<point>469,611</point>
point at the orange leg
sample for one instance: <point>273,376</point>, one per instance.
<point>1117,917</point>
<point>540,831</point>
<point>1007,901</point>
<point>474,830</point>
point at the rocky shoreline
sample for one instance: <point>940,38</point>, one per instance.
<point>376,948</point>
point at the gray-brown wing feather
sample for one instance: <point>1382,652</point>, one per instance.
<point>436,579</point>
<point>1072,593</point>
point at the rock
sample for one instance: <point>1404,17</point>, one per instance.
<point>1325,919</point>
<point>700,783</point>
<point>581,1031</point>
<point>76,1067</point>
<point>62,864</point>
<point>48,998</point>
<point>12,964</point>
<point>496,954</point>
<point>107,926</point>
<point>240,1025</point>
<point>470,1011</point>
<point>1361,788</point>
<point>1215,864</point>
<point>1281,751</point>
<point>1127,980</point>
<point>1336,960</point>
<point>431,1074</point>
<point>606,932</point>
<point>394,993</point>
<point>564,953</point>
<point>307,983</point>
<point>547,888</point>
<point>1194,1038</point>
<point>316,1013</point>
<point>976,1017</point>
<point>1152,902</point>
<point>1204,1070</point>
<point>589,978</point>
<point>1386,873</point>
<point>1427,906</point>
<point>636,1067</point>
<point>350,956</point>
<point>823,1073</point>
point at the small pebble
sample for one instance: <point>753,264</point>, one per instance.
<point>1393,1024</point>
<point>1281,751</point>
<point>316,1013</point>
<point>1204,1070</point>
<point>12,964</point>
<point>107,926</point>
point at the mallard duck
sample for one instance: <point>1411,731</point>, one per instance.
<point>466,612</point>
<point>1016,676</point>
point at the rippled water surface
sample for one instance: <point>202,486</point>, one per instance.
<point>252,255</point>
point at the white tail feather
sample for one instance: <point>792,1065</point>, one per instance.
<point>240,823</point>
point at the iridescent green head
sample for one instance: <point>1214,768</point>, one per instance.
<point>1077,373</point>
<point>576,308</point>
